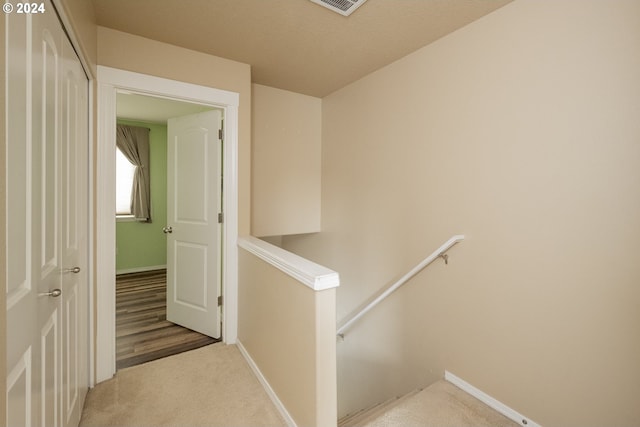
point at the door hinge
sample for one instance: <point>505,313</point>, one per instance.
<point>220,218</point>
<point>220,301</point>
<point>220,134</point>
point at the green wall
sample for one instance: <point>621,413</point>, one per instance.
<point>140,245</point>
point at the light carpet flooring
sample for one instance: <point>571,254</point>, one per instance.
<point>439,405</point>
<point>211,386</point>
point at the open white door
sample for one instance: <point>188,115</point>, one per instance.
<point>194,171</point>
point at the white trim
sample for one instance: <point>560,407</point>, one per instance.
<point>111,81</point>
<point>230,225</point>
<point>490,401</point>
<point>267,387</point>
<point>141,269</point>
<point>307,272</point>
<point>105,236</point>
<point>127,81</point>
<point>91,241</point>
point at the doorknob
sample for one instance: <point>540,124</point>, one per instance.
<point>55,293</point>
<point>75,270</point>
<point>167,230</point>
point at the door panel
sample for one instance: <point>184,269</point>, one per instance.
<point>20,293</point>
<point>49,339</point>
<point>47,172</point>
<point>45,128</point>
<point>194,201</point>
<point>74,243</point>
<point>191,264</point>
<point>49,142</point>
<point>19,395</point>
<point>70,350</point>
<point>19,168</point>
<point>191,191</point>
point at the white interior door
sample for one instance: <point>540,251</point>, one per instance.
<point>194,172</point>
<point>74,193</point>
<point>32,322</point>
<point>46,221</point>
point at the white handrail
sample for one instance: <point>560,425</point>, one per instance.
<point>440,252</point>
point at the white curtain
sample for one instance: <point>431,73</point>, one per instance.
<point>133,142</point>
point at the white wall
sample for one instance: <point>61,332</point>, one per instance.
<point>522,132</point>
<point>285,160</point>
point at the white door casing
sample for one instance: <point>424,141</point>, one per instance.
<point>193,232</point>
<point>47,171</point>
<point>110,81</point>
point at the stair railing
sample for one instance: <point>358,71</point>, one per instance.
<point>441,252</point>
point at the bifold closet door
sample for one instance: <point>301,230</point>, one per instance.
<point>47,200</point>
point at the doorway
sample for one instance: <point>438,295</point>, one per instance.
<point>143,332</point>
<point>112,81</point>
<point>148,326</point>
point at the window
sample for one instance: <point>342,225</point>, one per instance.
<point>133,145</point>
<point>124,184</point>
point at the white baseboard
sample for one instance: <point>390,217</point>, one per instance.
<point>490,401</point>
<point>272,394</point>
<point>141,269</point>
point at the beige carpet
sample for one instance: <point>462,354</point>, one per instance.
<point>211,386</point>
<point>441,405</point>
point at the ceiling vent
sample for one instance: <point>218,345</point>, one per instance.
<point>343,7</point>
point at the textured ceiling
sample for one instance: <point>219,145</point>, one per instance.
<point>295,44</point>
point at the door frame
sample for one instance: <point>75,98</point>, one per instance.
<point>110,82</point>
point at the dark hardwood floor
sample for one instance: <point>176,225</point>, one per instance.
<point>143,332</point>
